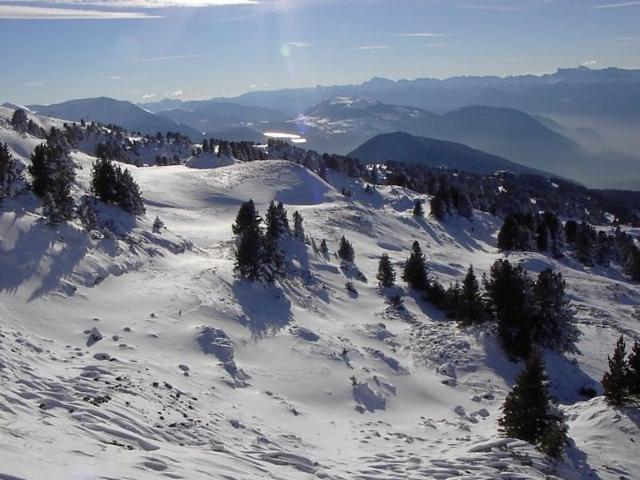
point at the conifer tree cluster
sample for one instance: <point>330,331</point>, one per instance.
<point>527,231</point>
<point>115,185</point>
<point>528,312</point>
<point>10,173</point>
<point>53,173</point>
<point>346,251</point>
<point>529,412</point>
<point>258,252</point>
<point>450,201</point>
<point>622,382</point>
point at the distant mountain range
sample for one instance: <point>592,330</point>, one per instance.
<point>118,112</point>
<point>611,93</point>
<point>212,116</point>
<point>402,147</point>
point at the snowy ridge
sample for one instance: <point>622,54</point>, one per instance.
<point>175,368</point>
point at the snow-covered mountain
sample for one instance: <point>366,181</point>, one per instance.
<point>117,112</point>
<point>139,354</point>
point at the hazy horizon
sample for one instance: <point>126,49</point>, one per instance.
<point>145,50</point>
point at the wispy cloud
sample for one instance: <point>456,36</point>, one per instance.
<point>420,35</point>
<point>616,5</point>
<point>434,45</point>
<point>33,84</point>
<point>114,77</point>
<point>177,93</point>
<point>137,4</point>
<point>372,47</point>
<point>299,44</point>
<point>589,63</point>
<point>148,96</point>
<point>167,58</point>
<point>29,12</point>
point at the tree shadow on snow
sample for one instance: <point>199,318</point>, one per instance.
<point>579,461</point>
<point>265,307</point>
<point>45,251</point>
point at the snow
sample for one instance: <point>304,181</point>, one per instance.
<point>140,355</point>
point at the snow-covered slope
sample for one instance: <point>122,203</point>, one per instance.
<point>174,368</point>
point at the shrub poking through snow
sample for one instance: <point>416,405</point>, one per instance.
<point>418,211</point>
<point>298,227</point>
<point>529,412</point>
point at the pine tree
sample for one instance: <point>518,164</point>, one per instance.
<point>52,174</point>
<point>19,120</point>
<point>386,274</point>
<point>111,184</point>
<point>249,254</point>
<point>324,249</point>
<point>10,172</point>
<point>470,309</point>
<point>552,314</point>
<point>511,304</point>
<point>346,251</point>
<point>633,370</point>
<point>415,268</point>
<point>298,227</point>
<point>614,381</point>
<point>438,207</point>
<point>418,211</point>
<point>528,410</point>
<point>247,218</point>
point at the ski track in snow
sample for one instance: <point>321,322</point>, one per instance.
<point>141,356</point>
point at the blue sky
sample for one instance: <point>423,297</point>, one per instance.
<point>150,49</point>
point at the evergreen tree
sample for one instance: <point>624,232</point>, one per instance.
<point>324,249</point>
<point>510,301</point>
<point>248,262</point>
<point>552,314</point>
<point>470,308</point>
<point>247,218</point>
<point>111,184</point>
<point>415,269</point>
<point>10,172</point>
<point>19,120</point>
<point>386,273</point>
<point>52,174</point>
<point>438,207</point>
<point>528,410</point>
<point>298,227</point>
<point>345,251</point>
<point>418,211</point>
<point>633,370</point>
<point>614,381</point>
